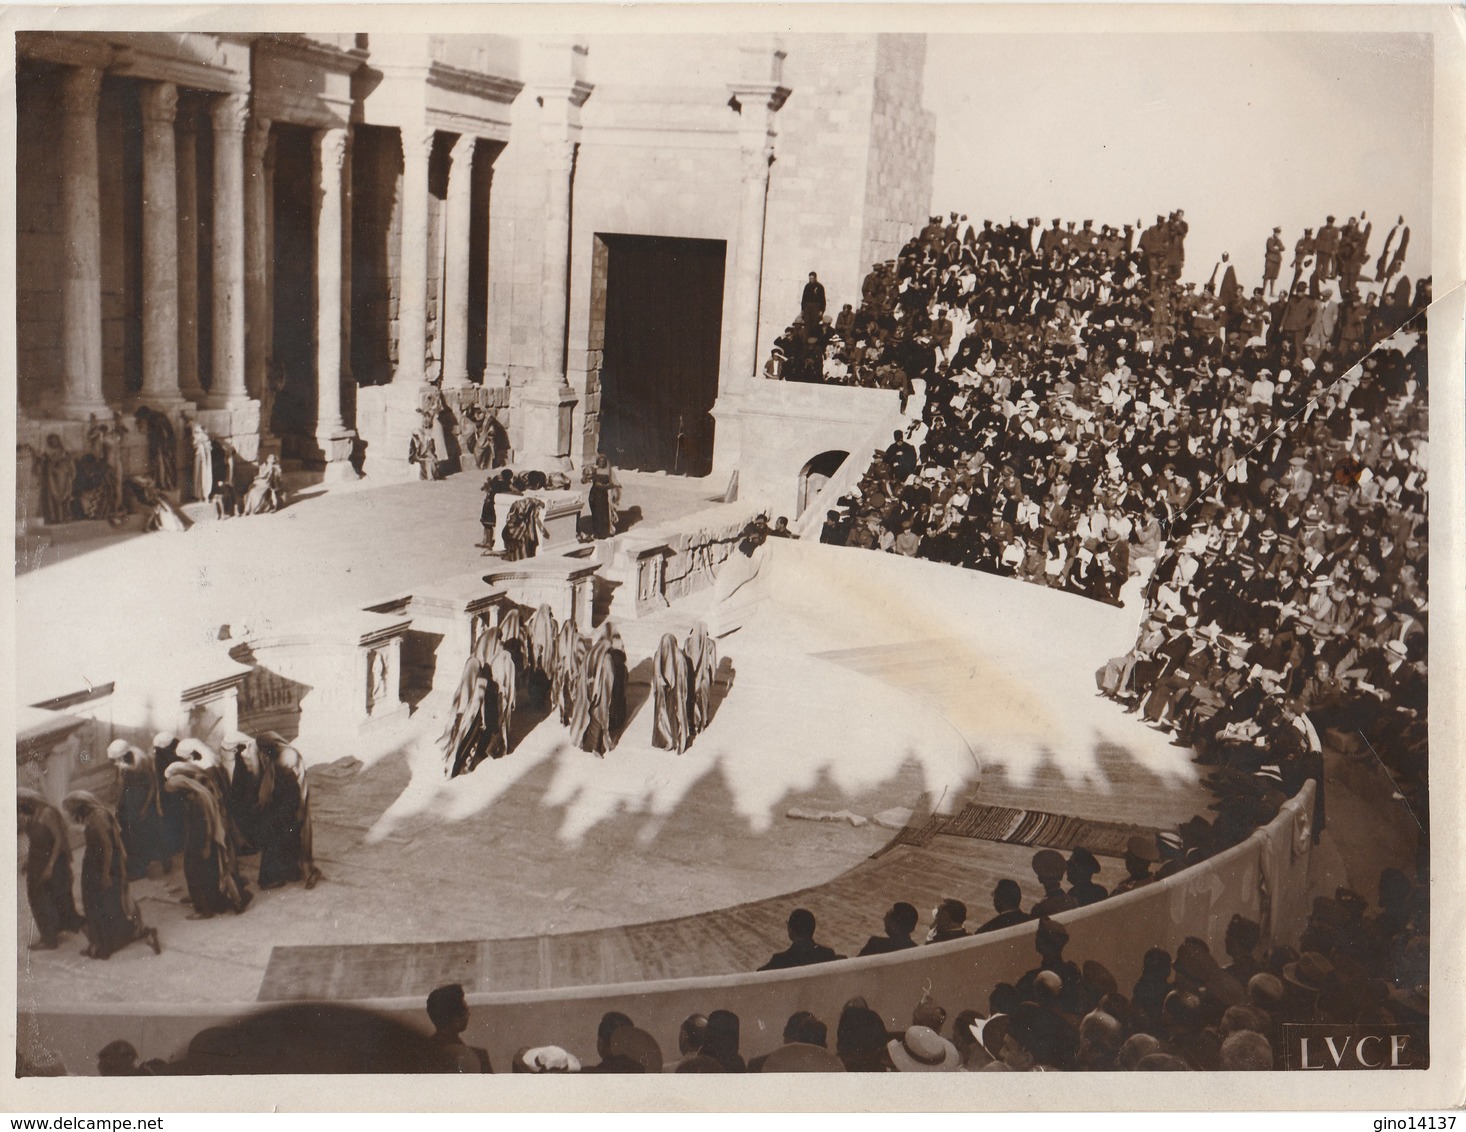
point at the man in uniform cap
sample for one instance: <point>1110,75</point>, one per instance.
<point>1140,854</point>
<point>1049,867</point>
<point>1081,871</point>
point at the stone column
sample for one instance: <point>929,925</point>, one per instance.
<point>160,248</point>
<point>545,410</point>
<point>188,257</point>
<point>455,269</point>
<point>559,165</point>
<point>334,438</point>
<point>412,294</point>
<point>229,113</point>
<point>81,268</point>
<point>257,190</point>
<point>757,102</point>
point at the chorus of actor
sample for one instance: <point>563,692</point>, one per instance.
<point>210,841</point>
<point>113,919</point>
<point>682,688</point>
<point>48,869</point>
<point>140,809</point>
<point>554,668</point>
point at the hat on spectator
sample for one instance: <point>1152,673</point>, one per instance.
<point>1050,934</point>
<point>1082,861</point>
<point>1169,842</point>
<point>990,1033</point>
<point>1311,972</point>
<point>1142,848</point>
<point>800,1057</point>
<point>116,749</point>
<point>164,739</point>
<point>1397,647</point>
<point>921,1050</point>
<point>1049,863</point>
<point>547,1059</point>
<point>641,1047</point>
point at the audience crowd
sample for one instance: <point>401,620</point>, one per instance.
<point>1262,467</point>
<point>1187,1010</point>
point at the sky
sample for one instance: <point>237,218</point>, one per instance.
<point>1244,131</point>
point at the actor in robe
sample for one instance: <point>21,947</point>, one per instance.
<point>670,730</point>
<point>541,639</point>
<point>423,451</point>
<point>139,809</point>
<point>240,761</point>
<point>605,497</point>
<point>165,754</point>
<point>113,919</point>
<point>47,869</point>
<point>202,483</point>
<point>57,469</point>
<point>702,659</point>
<point>523,529</point>
<point>568,691</point>
<point>162,446</point>
<point>287,842</point>
<point>210,865</point>
<point>266,492</point>
<point>462,739</point>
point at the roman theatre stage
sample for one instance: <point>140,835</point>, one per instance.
<point>885,729</point>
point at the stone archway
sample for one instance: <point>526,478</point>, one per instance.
<point>815,474</point>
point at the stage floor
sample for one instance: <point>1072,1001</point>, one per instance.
<point>866,685</point>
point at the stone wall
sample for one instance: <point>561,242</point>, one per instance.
<point>852,171</point>
<point>817,186</point>
<point>903,144</point>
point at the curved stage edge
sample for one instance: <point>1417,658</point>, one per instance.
<point>1264,877</point>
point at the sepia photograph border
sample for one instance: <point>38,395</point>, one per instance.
<point>1438,1087</point>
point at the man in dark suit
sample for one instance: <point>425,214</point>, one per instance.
<point>1272,260</point>
<point>812,304</point>
<point>1007,897</point>
<point>900,923</point>
<point>803,951</point>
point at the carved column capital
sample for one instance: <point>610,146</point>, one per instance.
<point>330,146</point>
<point>229,113</point>
<point>417,143</point>
<point>257,141</point>
<point>159,103</point>
<point>80,88</point>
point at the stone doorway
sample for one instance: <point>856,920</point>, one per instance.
<point>294,333</point>
<point>815,474</point>
<point>663,305</point>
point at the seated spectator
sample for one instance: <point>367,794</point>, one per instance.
<point>630,1046</point>
<point>947,920</point>
<point>721,1041</point>
<point>611,1021</point>
<point>448,1012</point>
<point>1007,897</point>
<point>690,1037</point>
<point>1049,867</point>
<point>1081,871</point>
<point>1245,1050</point>
<point>802,950</point>
<point>802,1029</point>
<point>900,922</point>
<point>860,1040</point>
